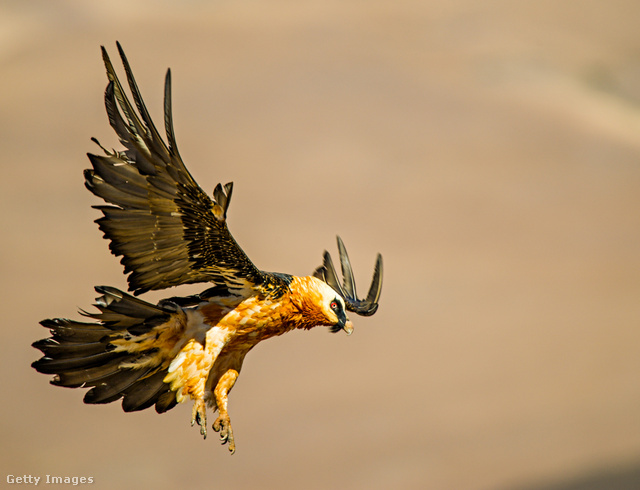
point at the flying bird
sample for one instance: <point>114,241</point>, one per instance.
<point>169,232</point>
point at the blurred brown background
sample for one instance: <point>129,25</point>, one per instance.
<point>489,150</point>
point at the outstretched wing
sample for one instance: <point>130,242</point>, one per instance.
<point>167,230</point>
<point>327,273</point>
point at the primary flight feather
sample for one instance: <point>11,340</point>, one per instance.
<point>169,232</point>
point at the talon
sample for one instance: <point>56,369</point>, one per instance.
<point>199,415</point>
<point>223,425</point>
<point>224,435</point>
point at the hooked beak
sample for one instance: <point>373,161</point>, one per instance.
<point>343,323</point>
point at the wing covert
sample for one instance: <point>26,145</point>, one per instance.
<point>166,228</point>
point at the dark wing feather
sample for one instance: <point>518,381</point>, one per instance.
<point>165,227</point>
<point>327,273</point>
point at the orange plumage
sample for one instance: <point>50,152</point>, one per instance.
<point>169,232</point>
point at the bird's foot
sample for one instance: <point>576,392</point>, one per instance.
<point>199,415</point>
<point>223,425</point>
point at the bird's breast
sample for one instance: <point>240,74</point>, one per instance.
<point>252,320</point>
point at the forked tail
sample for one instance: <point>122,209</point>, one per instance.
<point>124,354</point>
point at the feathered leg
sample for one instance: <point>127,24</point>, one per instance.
<point>223,423</point>
<point>188,372</point>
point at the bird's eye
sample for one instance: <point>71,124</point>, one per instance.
<point>333,305</point>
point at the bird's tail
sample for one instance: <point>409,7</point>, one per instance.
<point>124,354</point>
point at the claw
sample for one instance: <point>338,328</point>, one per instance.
<point>223,425</point>
<point>199,416</point>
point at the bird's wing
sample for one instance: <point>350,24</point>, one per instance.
<point>167,230</point>
<point>327,273</point>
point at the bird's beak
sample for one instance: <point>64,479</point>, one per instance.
<point>348,327</point>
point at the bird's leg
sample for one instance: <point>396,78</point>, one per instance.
<point>223,423</point>
<point>199,415</point>
<point>189,370</point>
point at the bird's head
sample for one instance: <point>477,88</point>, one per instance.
<point>322,305</point>
<point>334,310</point>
